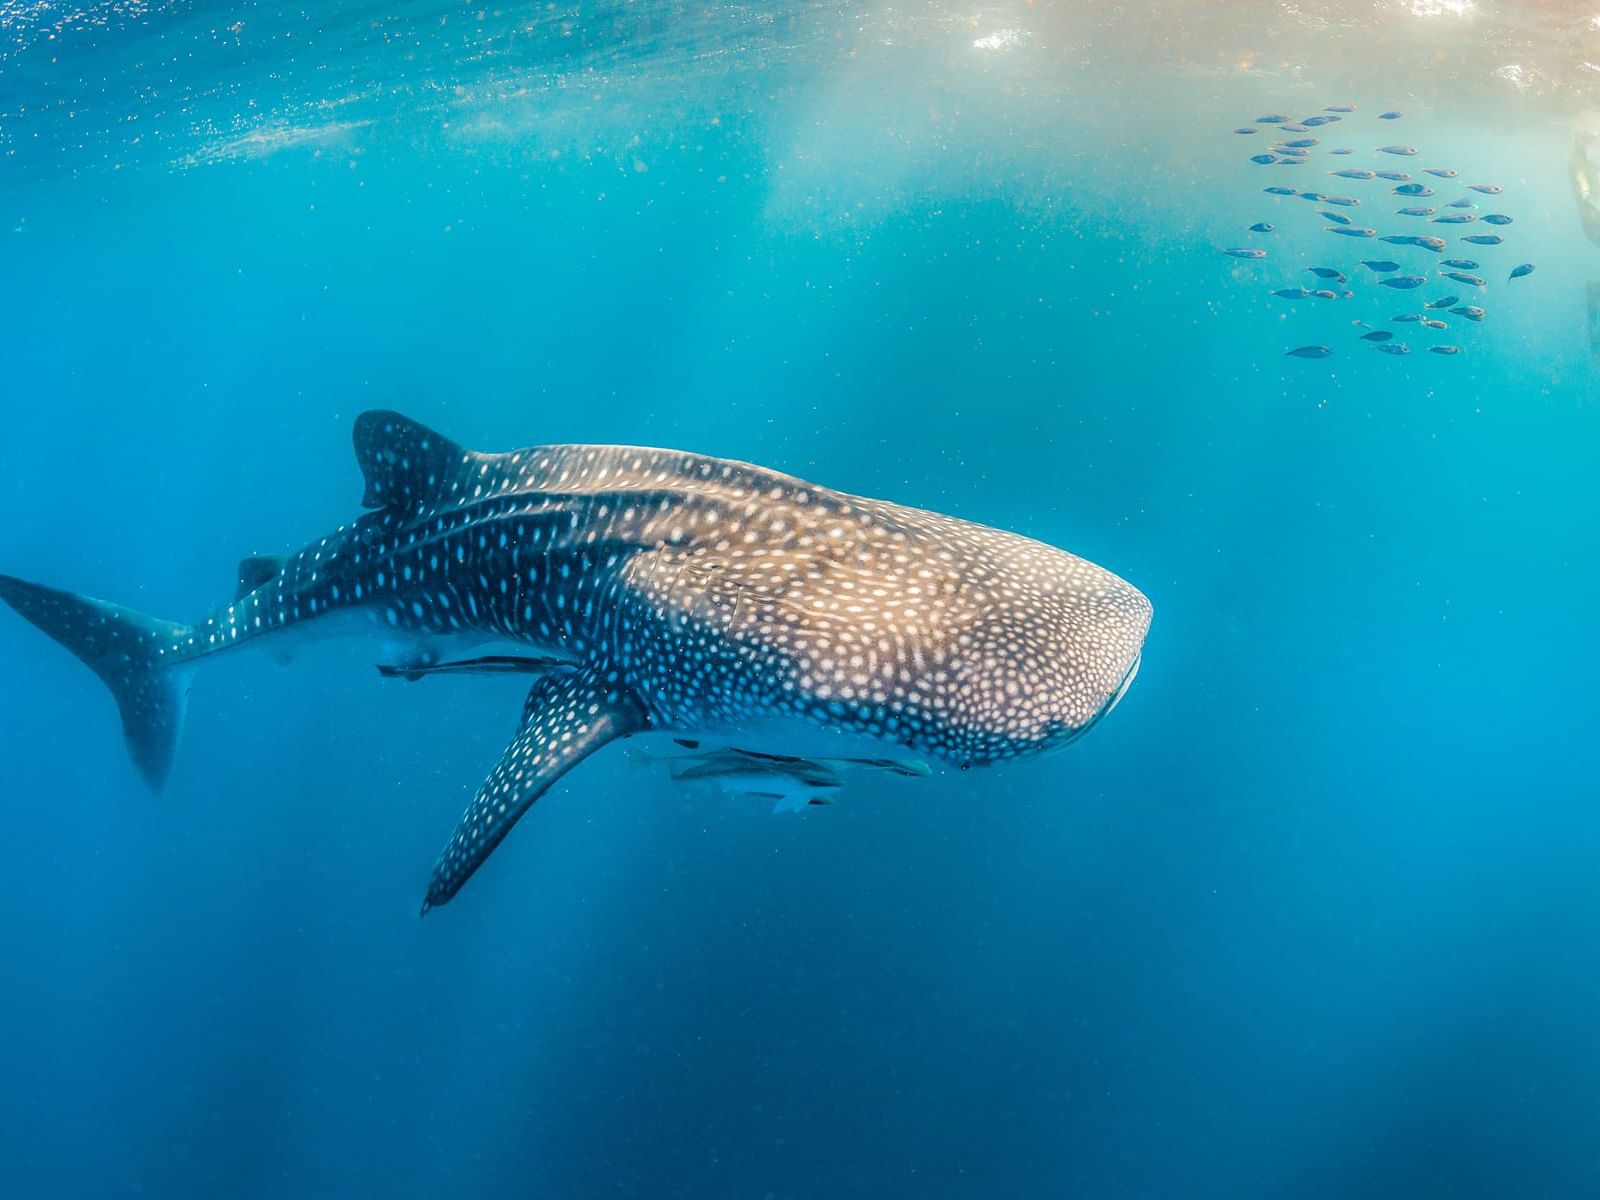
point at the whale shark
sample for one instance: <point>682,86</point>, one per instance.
<point>652,591</point>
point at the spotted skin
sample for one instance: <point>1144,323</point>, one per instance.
<point>127,650</point>
<point>683,593</point>
<point>569,715</point>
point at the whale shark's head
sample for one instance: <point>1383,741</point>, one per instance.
<point>1093,650</point>
<point>1049,664</point>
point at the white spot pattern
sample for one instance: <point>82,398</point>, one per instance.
<point>686,592</point>
<point>568,715</point>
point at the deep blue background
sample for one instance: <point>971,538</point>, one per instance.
<point>1315,914</point>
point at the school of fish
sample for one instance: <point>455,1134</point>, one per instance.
<point>1479,233</point>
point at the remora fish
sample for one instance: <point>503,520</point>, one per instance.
<point>790,782</point>
<point>678,592</point>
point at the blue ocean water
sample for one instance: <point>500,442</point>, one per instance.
<point>1314,914</point>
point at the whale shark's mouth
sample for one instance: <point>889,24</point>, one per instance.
<point>1122,688</point>
<point>1115,698</point>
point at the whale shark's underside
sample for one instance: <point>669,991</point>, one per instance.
<point>652,590</point>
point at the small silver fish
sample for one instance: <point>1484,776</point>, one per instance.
<point>1402,151</point>
<point>1279,190</point>
<point>1404,317</point>
<point>1403,282</point>
<point>1484,239</point>
<point>1496,219</point>
<point>1463,277</point>
<point>1393,348</point>
<point>1444,349</point>
<point>1519,272</point>
<point>1380,264</point>
<point>1455,218</point>
<point>1336,218</point>
<point>1302,143</point>
<point>1430,243</point>
<point>1488,189</point>
<point>1354,173</point>
<point>1247,129</point>
<point>1340,108</point>
<point>1314,197</point>
<point>1377,335</point>
<point>1325,294</point>
<point>1470,311</point>
<point>1313,122</point>
<point>1294,127</point>
<point>1342,150</point>
<point>1414,212</point>
<point>1311,351</point>
<point>1461,203</point>
<point>1263,159</point>
<point>1352,231</point>
<point>1327,273</point>
<point>1413,189</point>
<point>1342,201</point>
<point>1444,302</point>
<point>1262,227</point>
<point>1390,116</point>
<point>1441,172</point>
<point>1460,264</point>
<point>1271,119</point>
<point>1393,176</point>
<point>1238,252</point>
<point>1434,323</point>
<point>1292,294</point>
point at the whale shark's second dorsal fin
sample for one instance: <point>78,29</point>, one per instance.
<point>406,464</point>
<point>257,570</point>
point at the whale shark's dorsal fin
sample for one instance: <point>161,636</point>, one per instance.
<point>405,463</point>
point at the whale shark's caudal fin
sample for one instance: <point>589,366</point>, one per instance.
<point>138,657</point>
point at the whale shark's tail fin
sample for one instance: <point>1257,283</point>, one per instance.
<point>140,659</point>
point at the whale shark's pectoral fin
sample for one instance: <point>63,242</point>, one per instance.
<point>569,715</point>
<point>486,664</point>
